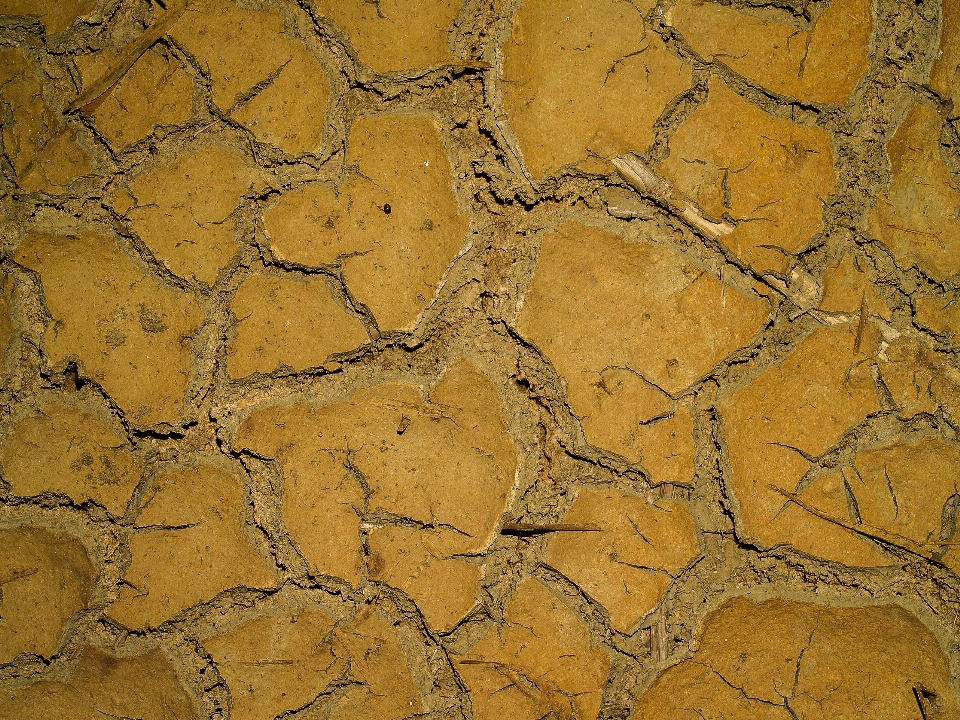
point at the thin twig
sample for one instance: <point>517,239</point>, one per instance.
<point>871,531</point>
<point>536,528</point>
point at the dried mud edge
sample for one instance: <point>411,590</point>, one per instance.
<point>509,212</point>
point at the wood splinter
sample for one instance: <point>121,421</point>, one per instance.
<point>645,181</point>
<point>541,528</point>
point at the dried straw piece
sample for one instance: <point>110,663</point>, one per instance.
<point>861,324</point>
<point>642,177</point>
<point>89,98</point>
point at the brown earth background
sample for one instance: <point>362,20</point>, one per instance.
<point>325,296</point>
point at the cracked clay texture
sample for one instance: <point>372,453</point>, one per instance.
<point>479,359</point>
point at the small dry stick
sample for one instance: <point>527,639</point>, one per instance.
<point>128,57</point>
<point>533,528</point>
<point>642,177</point>
<point>862,324</point>
<point>871,531</point>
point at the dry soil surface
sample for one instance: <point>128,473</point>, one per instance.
<point>347,372</point>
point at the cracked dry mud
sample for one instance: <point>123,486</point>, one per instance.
<point>343,376</point>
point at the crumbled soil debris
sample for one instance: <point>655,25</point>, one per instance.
<point>479,359</point>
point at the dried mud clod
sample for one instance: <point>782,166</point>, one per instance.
<point>479,359</point>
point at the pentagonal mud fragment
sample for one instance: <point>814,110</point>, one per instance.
<point>538,663</point>
<point>905,494</point>
<point>452,461</point>
<point>290,322</point>
<point>634,418</point>
<point>323,499</point>
<point>104,686</point>
<point>394,225</point>
<point>45,578</point>
<point>274,665</point>
<point>628,563</point>
<point>945,73</point>
<point>156,90</point>
<point>184,210</point>
<point>277,664</point>
<point>780,659</point>
<point>572,69</point>
<point>268,80</point>
<point>289,112</point>
<point>127,331</point>
<point>823,63</point>
<point>63,448</point>
<point>238,47</point>
<point>383,683</point>
<point>801,405</point>
<point>917,216</point>
<point>770,175</point>
<point>56,15</point>
<point>920,379</point>
<point>444,460</point>
<point>422,563</point>
<point>395,34</point>
<point>189,543</point>
<point>598,303</point>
